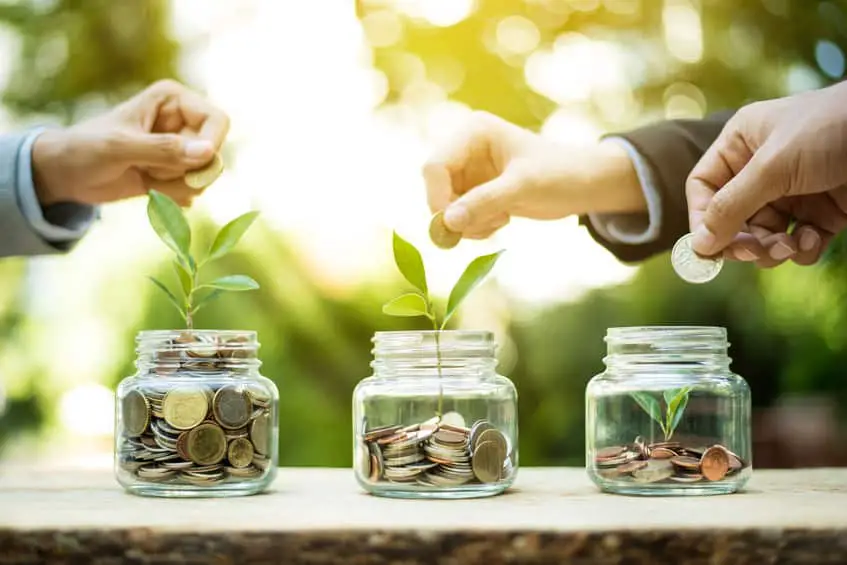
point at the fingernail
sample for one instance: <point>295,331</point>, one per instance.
<point>744,254</point>
<point>703,241</point>
<point>197,148</point>
<point>456,218</point>
<point>781,251</point>
<point>809,240</point>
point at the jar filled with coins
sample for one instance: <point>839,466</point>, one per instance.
<point>197,419</point>
<point>668,417</point>
<point>435,420</point>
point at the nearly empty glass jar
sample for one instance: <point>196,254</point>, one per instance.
<point>435,420</point>
<point>668,417</point>
<point>197,419</point>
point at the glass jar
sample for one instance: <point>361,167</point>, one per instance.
<point>435,420</point>
<point>668,417</point>
<point>197,418</point>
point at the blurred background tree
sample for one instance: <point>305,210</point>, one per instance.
<point>515,58</point>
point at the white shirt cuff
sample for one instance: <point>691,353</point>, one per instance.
<point>77,224</point>
<point>634,229</point>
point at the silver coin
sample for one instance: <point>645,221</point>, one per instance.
<point>692,267</point>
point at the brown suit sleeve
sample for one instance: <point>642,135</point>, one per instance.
<point>670,149</point>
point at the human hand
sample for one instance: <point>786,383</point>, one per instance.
<point>775,163</point>
<point>492,170</point>
<point>149,141</point>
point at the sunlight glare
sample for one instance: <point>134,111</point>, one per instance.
<point>88,410</point>
<point>683,30</point>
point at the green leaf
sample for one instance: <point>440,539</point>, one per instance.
<point>232,282</point>
<point>170,295</point>
<point>649,405</point>
<point>676,408</point>
<point>411,304</point>
<point>410,263</point>
<point>207,299</point>
<point>230,234</point>
<point>475,272</point>
<point>184,276</point>
<point>169,223</point>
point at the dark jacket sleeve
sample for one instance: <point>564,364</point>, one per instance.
<point>671,149</point>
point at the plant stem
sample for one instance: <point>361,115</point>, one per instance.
<point>440,408</point>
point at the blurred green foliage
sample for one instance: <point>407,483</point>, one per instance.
<point>787,326</point>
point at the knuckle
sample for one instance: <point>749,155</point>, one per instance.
<point>166,86</point>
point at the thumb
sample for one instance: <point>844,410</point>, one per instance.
<point>718,214</point>
<point>474,210</point>
<point>163,150</point>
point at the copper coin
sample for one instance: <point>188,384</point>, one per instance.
<point>380,432</point>
<point>683,462</point>
<point>609,452</point>
<point>630,467</point>
<point>182,446</point>
<point>715,463</point>
<point>662,453</point>
<point>392,438</point>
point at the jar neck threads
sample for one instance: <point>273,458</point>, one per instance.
<point>419,353</point>
<point>161,352</point>
<point>667,347</point>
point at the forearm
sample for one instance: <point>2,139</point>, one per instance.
<point>664,154</point>
<point>25,227</point>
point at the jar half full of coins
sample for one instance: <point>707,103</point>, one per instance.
<point>435,420</point>
<point>667,416</point>
<point>197,418</point>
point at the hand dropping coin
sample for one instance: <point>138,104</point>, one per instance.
<point>440,235</point>
<point>692,267</point>
<point>205,176</point>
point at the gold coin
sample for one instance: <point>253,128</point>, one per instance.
<point>232,407</point>
<point>240,453</point>
<point>136,413</point>
<point>487,461</point>
<point>715,463</point>
<point>440,235</point>
<point>206,444</point>
<point>185,407</point>
<point>205,176</point>
<point>260,433</point>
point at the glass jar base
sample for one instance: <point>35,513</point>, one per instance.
<point>190,491</point>
<point>421,492</point>
<point>702,489</point>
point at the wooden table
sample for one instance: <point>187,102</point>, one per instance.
<point>320,516</point>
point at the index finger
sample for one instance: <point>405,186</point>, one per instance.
<point>718,165</point>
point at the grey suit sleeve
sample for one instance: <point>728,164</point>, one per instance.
<point>24,228</point>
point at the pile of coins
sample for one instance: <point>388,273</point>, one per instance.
<point>202,355</point>
<point>668,461</point>
<point>189,421</point>
<point>440,452</point>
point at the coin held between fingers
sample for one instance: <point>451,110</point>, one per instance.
<point>692,267</point>
<point>203,177</point>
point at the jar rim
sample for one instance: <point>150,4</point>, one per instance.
<point>144,334</point>
<point>642,332</point>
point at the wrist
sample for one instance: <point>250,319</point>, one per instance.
<point>48,171</point>
<point>612,180</point>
